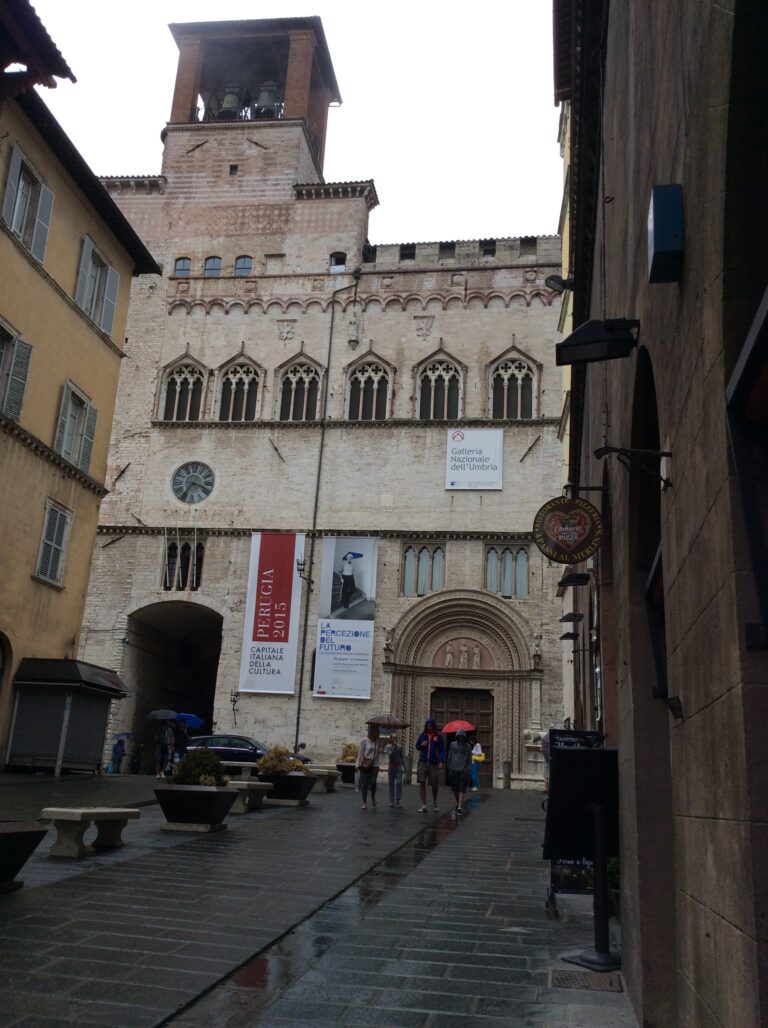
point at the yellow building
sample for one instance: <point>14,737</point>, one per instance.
<point>67,256</point>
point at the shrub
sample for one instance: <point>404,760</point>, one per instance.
<point>200,767</point>
<point>349,753</point>
<point>278,761</point>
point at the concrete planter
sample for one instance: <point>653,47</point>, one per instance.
<point>347,772</point>
<point>293,787</point>
<point>18,841</point>
<point>195,808</point>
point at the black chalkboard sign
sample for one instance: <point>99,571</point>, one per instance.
<point>580,779</point>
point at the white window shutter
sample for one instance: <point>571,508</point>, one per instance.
<point>110,300</point>
<point>17,379</point>
<point>11,185</point>
<point>66,399</point>
<point>42,221</point>
<point>82,274</point>
<point>89,431</point>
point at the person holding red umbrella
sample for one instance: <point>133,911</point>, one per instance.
<point>431,759</point>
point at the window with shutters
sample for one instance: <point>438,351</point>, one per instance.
<point>76,428</point>
<point>512,389</point>
<point>506,570</point>
<point>368,387</point>
<point>239,392</point>
<point>97,285</point>
<point>299,393</point>
<point>50,562</point>
<point>439,391</point>
<point>183,393</point>
<point>27,205</point>
<point>15,357</point>
<point>423,569</point>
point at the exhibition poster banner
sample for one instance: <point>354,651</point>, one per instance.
<point>344,657</point>
<point>271,635</point>
<point>473,458</point>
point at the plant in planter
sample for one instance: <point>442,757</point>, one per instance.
<point>346,763</point>
<point>197,799</point>
<point>292,780</point>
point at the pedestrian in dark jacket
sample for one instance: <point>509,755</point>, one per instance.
<point>459,763</point>
<point>431,749</point>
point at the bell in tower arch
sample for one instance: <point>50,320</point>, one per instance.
<point>230,105</point>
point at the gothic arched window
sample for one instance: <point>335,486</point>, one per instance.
<point>368,388</point>
<point>512,390</point>
<point>183,393</point>
<point>239,393</point>
<point>183,566</point>
<point>299,393</point>
<point>439,391</point>
<point>506,571</point>
<point>423,569</point>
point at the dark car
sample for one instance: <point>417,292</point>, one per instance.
<point>236,747</point>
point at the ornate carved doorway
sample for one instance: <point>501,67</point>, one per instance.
<point>475,706</point>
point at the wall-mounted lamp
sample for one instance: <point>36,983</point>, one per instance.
<point>573,578</point>
<point>571,617</point>
<point>301,566</point>
<point>558,284</point>
<point>598,341</point>
<point>234,699</point>
<point>628,456</point>
<point>570,635</point>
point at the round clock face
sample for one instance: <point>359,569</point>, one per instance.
<point>192,482</point>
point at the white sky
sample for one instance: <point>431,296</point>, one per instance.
<point>449,109</point>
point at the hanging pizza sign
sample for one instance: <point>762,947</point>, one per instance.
<point>568,530</point>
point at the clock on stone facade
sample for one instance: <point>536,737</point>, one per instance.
<point>192,482</point>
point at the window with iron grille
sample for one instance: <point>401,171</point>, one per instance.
<point>299,393</point>
<point>423,569</point>
<point>512,386</point>
<point>183,565</point>
<point>506,570</point>
<point>50,561</point>
<point>439,391</point>
<point>368,387</point>
<point>183,393</point>
<point>239,393</point>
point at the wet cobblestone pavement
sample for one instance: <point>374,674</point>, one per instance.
<point>312,916</point>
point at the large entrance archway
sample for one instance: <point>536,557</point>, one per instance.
<point>170,659</point>
<point>469,651</point>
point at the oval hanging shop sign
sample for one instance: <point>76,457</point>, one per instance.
<point>568,530</point>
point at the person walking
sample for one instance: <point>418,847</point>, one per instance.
<point>458,763</point>
<point>368,759</point>
<point>395,772</point>
<point>180,740</point>
<point>431,749</point>
<point>163,748</point>
<point>477,759</point>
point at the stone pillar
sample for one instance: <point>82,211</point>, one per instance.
<point>319,102</point>
<point>187,88</point>
<point>299,75</point>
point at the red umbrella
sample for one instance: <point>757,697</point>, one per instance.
<point>454,726</point>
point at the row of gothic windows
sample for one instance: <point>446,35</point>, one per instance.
<point>439,392</point>
<point>506,570</point>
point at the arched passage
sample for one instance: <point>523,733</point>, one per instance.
<point>171,659</point>
<point>465,651</point>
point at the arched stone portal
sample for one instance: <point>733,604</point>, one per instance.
<point>466,641</point>
<point>170,659</point>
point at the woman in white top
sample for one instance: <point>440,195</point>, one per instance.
<point>367,763</point>
<point>477,758</point>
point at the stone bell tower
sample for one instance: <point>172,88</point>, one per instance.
<point>260,75</point>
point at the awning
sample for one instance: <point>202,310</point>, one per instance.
<point>73,675</point>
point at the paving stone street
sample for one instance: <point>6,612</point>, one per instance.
<point>296,916</point>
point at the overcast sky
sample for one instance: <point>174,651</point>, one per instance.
<point>448,109</point>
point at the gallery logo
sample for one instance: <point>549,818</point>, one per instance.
<point>457,436</point>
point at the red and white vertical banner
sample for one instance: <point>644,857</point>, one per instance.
<point>271,635</point>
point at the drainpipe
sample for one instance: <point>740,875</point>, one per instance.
<point>356,275</point>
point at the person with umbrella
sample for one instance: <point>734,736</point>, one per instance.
<point>164,744</point>
<point>459,763</point>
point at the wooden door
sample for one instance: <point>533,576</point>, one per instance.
<point>475,706</point>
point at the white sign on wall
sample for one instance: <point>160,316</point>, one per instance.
<point>473,458</point>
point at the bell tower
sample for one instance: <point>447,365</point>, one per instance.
<point>255,73</point>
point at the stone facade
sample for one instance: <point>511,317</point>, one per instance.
<point>316,296</point>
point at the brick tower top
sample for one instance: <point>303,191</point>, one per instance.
<point>272,69</point>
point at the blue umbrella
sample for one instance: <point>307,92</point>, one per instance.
<point>193,721</point>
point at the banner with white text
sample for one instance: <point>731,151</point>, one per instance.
<point>344,658</point>
<point>474,458</point>
<point>271,634</point>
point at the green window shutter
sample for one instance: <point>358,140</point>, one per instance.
<point>110,300</point>
<point>17,379</point>
<point>11,185</point>
<point>66,399</point>
<point>42,221</point>
<point>53,544</point>
<point>82,274</point>
<point>89,431</point>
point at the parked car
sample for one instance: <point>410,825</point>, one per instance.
<point>237,747</point>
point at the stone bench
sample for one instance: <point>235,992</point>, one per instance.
<point>71,824</point>
<point>329,776</point>
<point>250,795</point>
<point>247,769</point>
